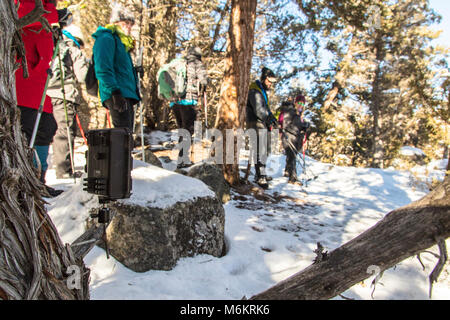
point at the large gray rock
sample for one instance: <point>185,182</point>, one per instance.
<point>149,158</point>
<point>169,216</point>
<point>212,175</point>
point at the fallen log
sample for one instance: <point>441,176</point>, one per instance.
<point>402,233</point>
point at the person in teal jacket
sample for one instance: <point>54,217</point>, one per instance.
<point>117,77</point>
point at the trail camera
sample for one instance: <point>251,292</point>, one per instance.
<point>109,163</point>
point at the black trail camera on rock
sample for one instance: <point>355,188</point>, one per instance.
<point>108,167</point>
<point>109,163</point>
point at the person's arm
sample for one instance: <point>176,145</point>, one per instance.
<point>257,102</point>
<point>44,48</point>
<point>80,64</point>
<point>103,54</point>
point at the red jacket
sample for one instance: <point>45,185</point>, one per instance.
<point>39,51</point>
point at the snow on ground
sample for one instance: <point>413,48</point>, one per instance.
<point>411,151</point>
<point>266,242</point>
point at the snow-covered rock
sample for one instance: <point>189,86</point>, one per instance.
<point>212,175</point>
<point>409,151</point>
<point>149,158</point>
<point>169,216</point>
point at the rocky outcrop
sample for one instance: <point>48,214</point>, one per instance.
<point>149,158</point>
<point>212,175</point>
<point>168,217</point>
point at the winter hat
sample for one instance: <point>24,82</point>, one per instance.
<point>266,73</point>
<point>300,98</point>
<point>194,51</point>
<point>75,31</point>
<point>120,13</point>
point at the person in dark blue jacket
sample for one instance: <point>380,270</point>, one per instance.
<point>260,117</point>
<point>118,80</point>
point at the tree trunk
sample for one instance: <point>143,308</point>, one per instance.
<point>447,173</point>
<point>234,91</point>
<point>403,233</point>
<point>33,260</point>
<point>342,73</point>
<point>375,107</point>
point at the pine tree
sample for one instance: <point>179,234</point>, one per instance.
<point>234,90</point>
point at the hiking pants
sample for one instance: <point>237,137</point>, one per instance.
<point>61,150</point>
<point>185,117</point>
<point>123,119</point>
<point>291,164</point>
<point>45,133</point>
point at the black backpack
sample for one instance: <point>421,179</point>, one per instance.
<point>91,79</point>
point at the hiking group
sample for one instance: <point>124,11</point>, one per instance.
<point>49,98</point>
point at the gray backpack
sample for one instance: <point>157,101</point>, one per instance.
<point>172,80</point>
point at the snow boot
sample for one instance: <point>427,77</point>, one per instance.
<point>262,182</point>
<point>49,190</point>
<point>295,181</point>
<point>52,192</point>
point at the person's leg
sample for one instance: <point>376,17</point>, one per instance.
<point>187,116</point>
<point>61,150</point>
<point>176,109</point>
<point>46,132</point>
<point>190,115</point>
<point>42,155</point>
<point>291,166</point>
<point>123,119</point>
<point>261,156</point>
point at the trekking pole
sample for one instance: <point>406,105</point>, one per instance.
<point>141,105</point>
<point>44,94</point>
<point>304,159</point>
<point>80,127</point>
<point>206,109</point>
<point>108,118</point>
<point>69,137</point>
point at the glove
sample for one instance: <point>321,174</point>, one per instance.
<point>305,125</point>
<point>118,102</point>
<point>272,121</point>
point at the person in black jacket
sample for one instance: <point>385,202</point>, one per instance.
<point>259,117</point>
<point>293,129</point>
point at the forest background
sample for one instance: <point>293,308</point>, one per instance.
<point>375,74</point>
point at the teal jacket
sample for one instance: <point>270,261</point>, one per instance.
<point>113,66</point>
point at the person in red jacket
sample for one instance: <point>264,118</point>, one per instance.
<point>38,51</point>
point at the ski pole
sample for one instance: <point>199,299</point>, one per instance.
<point>69,137</point>
<point>44,95</point>
<point>206,109</point>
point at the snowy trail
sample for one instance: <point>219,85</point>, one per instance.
<point>266,242</point>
